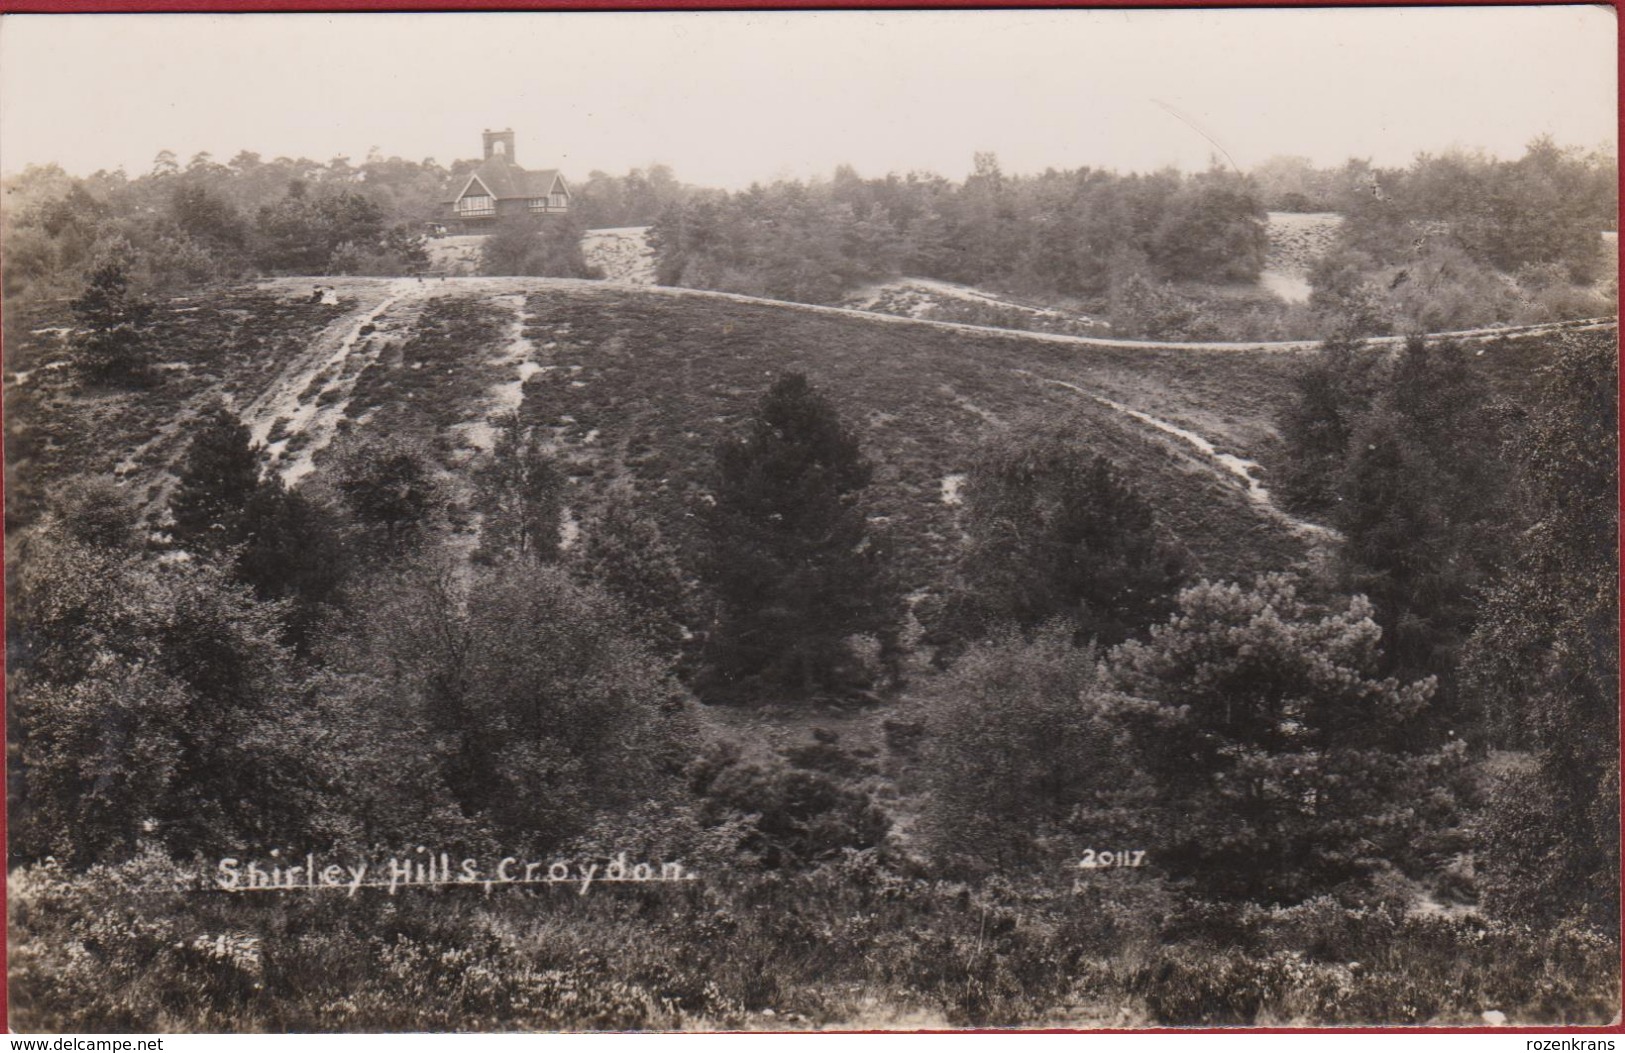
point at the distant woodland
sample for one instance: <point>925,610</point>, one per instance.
<point>1451,241</point>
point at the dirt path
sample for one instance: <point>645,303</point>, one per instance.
<point>517,353</point>
<point>298,415</point>
<point>1296,241</point>
<point>479,285</point>
<point>1224,464</point>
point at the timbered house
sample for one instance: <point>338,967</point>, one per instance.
<point>499,187</point>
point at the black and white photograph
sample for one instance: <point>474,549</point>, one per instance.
<point>822,520</point>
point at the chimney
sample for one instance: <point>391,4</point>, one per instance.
<point>499,144</point>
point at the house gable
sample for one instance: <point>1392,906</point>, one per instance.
<point>498,186</point>
<point>472,180</point>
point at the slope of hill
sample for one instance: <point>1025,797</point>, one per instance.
<point>228,346</point>
<point>653,383</point>
<point>931,299</point>
<point>638,385</point>
<point>1296,241</point>
<point>622,253</point>
<point>634,388</point>
<point>455,253</point>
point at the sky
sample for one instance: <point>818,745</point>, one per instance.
<point>728,98</point>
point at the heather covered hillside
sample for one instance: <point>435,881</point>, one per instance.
<point>634,387</point>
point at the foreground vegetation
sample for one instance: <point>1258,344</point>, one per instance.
<point>851,943</point>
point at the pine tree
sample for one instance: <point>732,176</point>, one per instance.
<point>1279,754</point>
<point>1332,393</point>
<point>113,349</point>
<point>791,561</point>
<point>218,479</point>
<point>1055,533</point>
<point>1422,500</point>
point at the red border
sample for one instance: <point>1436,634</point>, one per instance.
<point>364,6</point>
<point>344,6</point>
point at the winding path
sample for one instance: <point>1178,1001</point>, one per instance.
<point>1238,468</point>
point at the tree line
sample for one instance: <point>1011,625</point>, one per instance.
<point>1432,246</point>
<point>1451,241</point>
<point>1078,233</point>
<point>180,226</point>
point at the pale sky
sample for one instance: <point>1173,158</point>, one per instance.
<point>729,98</point>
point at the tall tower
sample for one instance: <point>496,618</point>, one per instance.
<point>499,144</point>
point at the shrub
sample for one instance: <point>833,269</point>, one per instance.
<point>624,552</point>
<point>540,711</point>
<point>1026,754</point>
<point>389,487</point>
<point>801,817</point>
<point>542,246</point>
<point>1545,653</point>
<point>1056,533</point>
<point>149,697</point>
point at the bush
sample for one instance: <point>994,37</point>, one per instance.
<point>1545,654</point>
<point>152,698</point>
<point>540,246</point>
<point>1026,758</point>
<point>1056,533</point>
<point>801,817</point>
<point>540,712</point>
<point>388,485</point>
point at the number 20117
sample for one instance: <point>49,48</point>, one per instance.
<point>1093,860</point>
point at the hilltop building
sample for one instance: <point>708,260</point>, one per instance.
<point>499,187</point>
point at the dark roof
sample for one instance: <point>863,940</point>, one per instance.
<point>507,180</point>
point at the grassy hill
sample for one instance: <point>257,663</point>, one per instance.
<point>656,381</point>
<point>638,385</point>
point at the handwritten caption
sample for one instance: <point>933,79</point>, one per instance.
<point>426,869</point>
